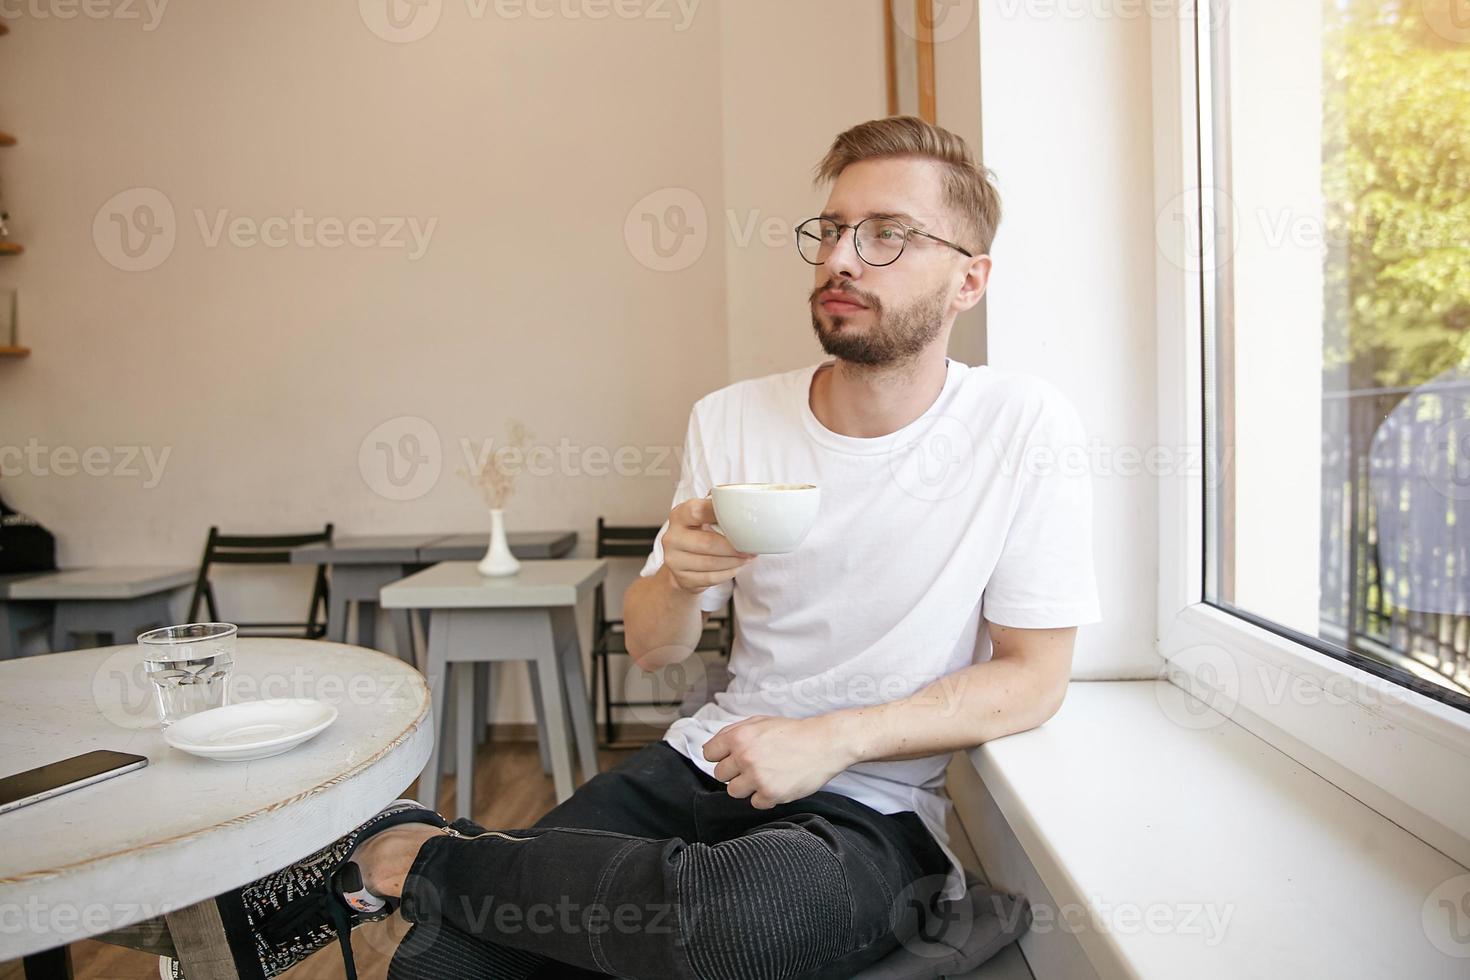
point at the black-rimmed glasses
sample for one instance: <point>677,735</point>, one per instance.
<point>879,241</point>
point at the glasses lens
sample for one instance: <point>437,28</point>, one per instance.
<point>880,240</point>
<point>816,238</point>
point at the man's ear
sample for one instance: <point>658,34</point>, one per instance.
<point>977,279</point>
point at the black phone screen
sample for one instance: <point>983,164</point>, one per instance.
<point>54,775</point>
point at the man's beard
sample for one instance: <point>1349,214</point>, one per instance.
<point>894,338</point>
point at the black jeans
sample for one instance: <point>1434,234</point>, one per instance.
<point>651,871</point>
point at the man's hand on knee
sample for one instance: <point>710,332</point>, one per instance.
<point>774,760</point>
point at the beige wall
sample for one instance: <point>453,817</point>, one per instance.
<point>779,121</point>
<point>780,117</point>
<point>957,94</point>
<point>261,370</point>
<point>1067,99</point>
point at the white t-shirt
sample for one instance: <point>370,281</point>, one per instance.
<point>980,507</point>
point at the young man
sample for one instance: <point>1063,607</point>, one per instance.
<point>773,833</point>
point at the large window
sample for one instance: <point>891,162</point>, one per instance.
<point>1335,140</point>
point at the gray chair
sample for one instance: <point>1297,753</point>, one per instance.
<point>609,639</point>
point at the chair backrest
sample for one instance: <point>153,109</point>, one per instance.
<point>625,541</point>
<point>262,549</point>
<point>636,541</point>
<point>617,541</point>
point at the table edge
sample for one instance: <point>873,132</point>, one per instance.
<point>403,735</point>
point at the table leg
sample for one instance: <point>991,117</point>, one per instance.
<point>403,636</point>
<point>569,649</point>
<point>139,616</point>
<point>466,682</point>
<point>9,632</point>
<point>437,666</point>
<point>15,619</point>
<point>158,613</point>
<point>367,624</point>
<point>62,628</point>
<point>556,720</point>
<point>337,616</point>
<point>199,937</point>
<point>541,744</point>
<point>53,964</point>
<point>482,701</point>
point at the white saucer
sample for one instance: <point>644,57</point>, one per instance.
<point>250,729</point>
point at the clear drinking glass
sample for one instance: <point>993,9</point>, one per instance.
<point>189,667</point>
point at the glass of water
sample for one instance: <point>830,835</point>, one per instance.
<point>189,667</point>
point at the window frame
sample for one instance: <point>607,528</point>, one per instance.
<point>1403,753</point>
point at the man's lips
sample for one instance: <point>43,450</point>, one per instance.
<point>840,303</point>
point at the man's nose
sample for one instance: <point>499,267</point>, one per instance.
<point>843,260</point>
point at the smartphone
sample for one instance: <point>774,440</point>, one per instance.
<point>53,779</point>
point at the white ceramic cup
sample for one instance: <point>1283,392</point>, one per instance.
<point>765,518</point>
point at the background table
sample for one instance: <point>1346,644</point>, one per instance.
<point>523,544</point>
<point>17,617</point>
<point>362,565</point>
<point>121,602</point>
<point>184,829</point>
<point>528,616</point>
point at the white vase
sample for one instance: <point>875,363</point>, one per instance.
<point>498,560</point>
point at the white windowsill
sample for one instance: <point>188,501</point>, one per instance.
<point>1159,850</point>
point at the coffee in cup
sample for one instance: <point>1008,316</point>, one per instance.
<point>765,518</point>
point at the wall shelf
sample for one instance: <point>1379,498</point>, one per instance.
<point>10,352</point>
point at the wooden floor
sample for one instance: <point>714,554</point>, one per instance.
<point>511,791</point>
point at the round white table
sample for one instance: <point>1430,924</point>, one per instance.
<point>163,840</point>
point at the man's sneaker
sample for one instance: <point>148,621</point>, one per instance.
<point>276,922</point>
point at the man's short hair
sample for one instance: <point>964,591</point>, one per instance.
<point>969,190</point>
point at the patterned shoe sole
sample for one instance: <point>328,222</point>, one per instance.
<point>279,920</point>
